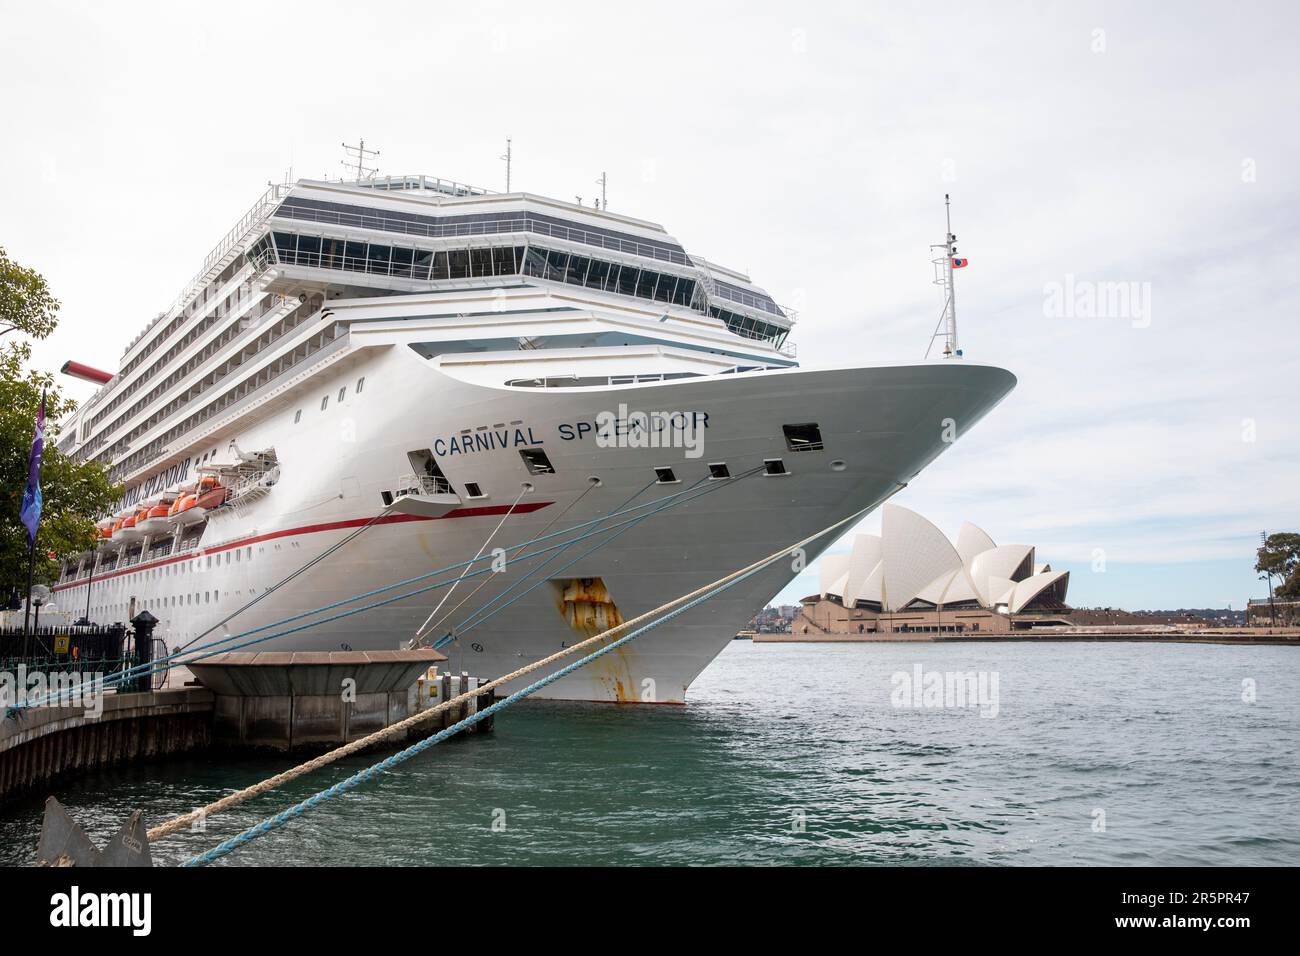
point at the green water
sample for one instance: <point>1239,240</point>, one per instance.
<point>797,754</point>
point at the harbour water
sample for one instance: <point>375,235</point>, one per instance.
<point>1108,753</point>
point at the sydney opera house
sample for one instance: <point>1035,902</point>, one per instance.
<point>910,579</point>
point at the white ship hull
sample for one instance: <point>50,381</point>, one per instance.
<point>880,426</point>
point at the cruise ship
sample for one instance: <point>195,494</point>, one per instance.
<point>370,381</point>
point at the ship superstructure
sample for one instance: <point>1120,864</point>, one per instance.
<point>443,366</point>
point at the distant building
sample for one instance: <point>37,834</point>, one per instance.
<point>1260,612</point>
<point>912,579</point>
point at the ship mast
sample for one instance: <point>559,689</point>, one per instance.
<point>943,266</point>
<point>357,159</point>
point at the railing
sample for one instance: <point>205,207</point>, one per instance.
<point>520,222</point>
<point>413,484</point>
<point>448,187</point>
<point>761,303</point>
<point>247,222</point>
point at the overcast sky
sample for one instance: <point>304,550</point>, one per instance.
<point>1154,145</point>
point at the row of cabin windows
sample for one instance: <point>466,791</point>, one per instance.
<point>482,224</point>
<point>246,354</point>
<point>428,265</point>
<point>268,304</point>
<point>325,400</point>
<point>195,304</point>
<point>300,353</point>
<point>214,378</point>
<point>380,259</point>
<point>231,304</point>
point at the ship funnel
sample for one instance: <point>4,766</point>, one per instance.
<point>78,370</point>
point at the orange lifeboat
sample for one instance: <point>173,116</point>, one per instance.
<point>153,519</point>
<point>184,510</point>
<point>129,532</point>
<point>212,493</point>
<point>104,535</point>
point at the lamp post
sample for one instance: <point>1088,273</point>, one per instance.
<point>39,596</point>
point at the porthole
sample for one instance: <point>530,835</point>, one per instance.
<point>324,403</point>
<point>361,383</point>
<point>342,391</point>
<point>297,416</point>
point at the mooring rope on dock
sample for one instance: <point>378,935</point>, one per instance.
<point>635,628</point>
<point>285,580</point>
<point>593,484</point>
<point>215,647</point>
<point>481,614</point>
<point>419,631</point>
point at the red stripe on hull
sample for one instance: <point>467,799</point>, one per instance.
<point>486,511</point>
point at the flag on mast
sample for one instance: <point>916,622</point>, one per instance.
<point>32,501</point>
<point>959,263</point>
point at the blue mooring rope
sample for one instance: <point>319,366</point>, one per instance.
<point>351,783</point>
<point>162,663</point>
<point>482,613</point>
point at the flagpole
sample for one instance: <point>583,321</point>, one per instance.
<point>33,502</point>
<point>27,613</point>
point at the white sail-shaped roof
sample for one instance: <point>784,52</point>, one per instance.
<point>862,561</point>
<point>873,589</point>
<point>933,592</point>
<point>1010,562</point>
<point>999,591</point>
<point>1032,587</point>
<point>915,553</point>
<point>972,540</point>
<point>833,567</point>
<point>913,560</point>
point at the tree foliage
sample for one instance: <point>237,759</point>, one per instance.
<point>1280,557</point>
<point>26,304</point>
<point>75,493</point>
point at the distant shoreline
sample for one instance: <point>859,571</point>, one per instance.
<point>1289,637</point>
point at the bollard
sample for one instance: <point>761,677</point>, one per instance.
<point>142,626</point>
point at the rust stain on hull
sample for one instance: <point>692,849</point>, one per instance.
<point>586,605</point>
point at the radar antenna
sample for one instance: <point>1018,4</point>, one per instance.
<point>357,158</point>
<point>943,266</point>
<point>508,156</point>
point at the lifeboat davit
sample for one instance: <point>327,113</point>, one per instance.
<point>154,519</point>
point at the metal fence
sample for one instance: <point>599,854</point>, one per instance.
<point>66,649</point>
